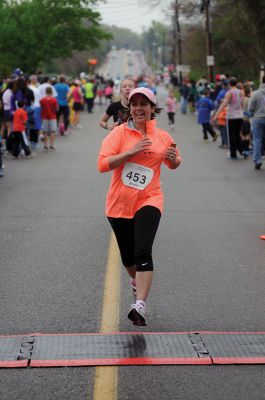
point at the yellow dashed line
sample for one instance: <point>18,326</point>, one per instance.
<point>106,378</point>
<point>125,64</point>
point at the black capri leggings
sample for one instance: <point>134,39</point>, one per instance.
<point>135,237</point>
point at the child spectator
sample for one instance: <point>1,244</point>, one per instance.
<point>221,122</point>
<point>20,118</point>
<point>205,105</point>
<point>171,107</point>
<point>49,108</point>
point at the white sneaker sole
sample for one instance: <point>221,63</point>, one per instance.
<point>137,317</point>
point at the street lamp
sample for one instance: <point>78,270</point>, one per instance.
<point>205,4</point>
<point>177,39</point>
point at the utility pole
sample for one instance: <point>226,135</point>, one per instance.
<point>205,5</point>
<point>163,57</point>
<point>177,40</point>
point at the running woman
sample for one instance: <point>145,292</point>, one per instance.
<point>135,151</point>
<point>171,107</point>
<point>119,109</point>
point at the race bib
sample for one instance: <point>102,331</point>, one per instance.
<point>136,175</point>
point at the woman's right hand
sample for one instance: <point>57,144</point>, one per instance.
<point>111,126</point>
<point>143,145</point>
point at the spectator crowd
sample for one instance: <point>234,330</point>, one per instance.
<point>34,109</point>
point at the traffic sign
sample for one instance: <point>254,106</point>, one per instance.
<point>210,61</point>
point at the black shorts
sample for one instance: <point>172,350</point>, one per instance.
<point>135,237</point>
<point>77,106</point>
<point>8,116</point>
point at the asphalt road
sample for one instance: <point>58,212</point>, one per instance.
<point>209,263</point>
<point>120,63</point>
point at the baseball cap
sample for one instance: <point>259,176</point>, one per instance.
<point>144,91</point>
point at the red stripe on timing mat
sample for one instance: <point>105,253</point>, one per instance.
<point>121,361</point>
<point>238,360</point>
<point>229,333</point>
<point>14,364</point>
<point>135,333</point>
<point>108,333</point>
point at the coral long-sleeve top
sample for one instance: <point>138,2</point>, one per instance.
<point>135,183</point>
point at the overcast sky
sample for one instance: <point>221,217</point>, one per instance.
<point>131,14</point>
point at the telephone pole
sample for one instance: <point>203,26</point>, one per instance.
<point>177,40</point>
<point>205,5</point>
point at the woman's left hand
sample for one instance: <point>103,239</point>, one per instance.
<point>171,153</point>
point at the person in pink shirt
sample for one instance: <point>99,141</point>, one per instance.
<point>77,96</point>
<point>135,152</point>
<point>171,108</point>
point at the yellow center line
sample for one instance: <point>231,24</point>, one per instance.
<point>106,378</point>
<point>125,64</point>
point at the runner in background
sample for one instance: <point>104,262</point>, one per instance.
<point>108,92</point>
<point>89,95</point>
<point>119,109</point>
<point>135,151</point>
<point>77,96</point>
<point>171,108</point>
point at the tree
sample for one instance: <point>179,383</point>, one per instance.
<point>239,35</point>
<point>36,31</point>
<point>121,37</point>
<point>157,38</point>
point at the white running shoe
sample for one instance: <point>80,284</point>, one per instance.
<point>137,314</point>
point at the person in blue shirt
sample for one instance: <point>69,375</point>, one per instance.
<point>62,90</point>
<point>205,106</point>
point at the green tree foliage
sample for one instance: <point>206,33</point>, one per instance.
<point>37,31</point>
<point>158,38</point>
<point>121,38</point>
<point>239,35</point>
<point>238,32</point>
